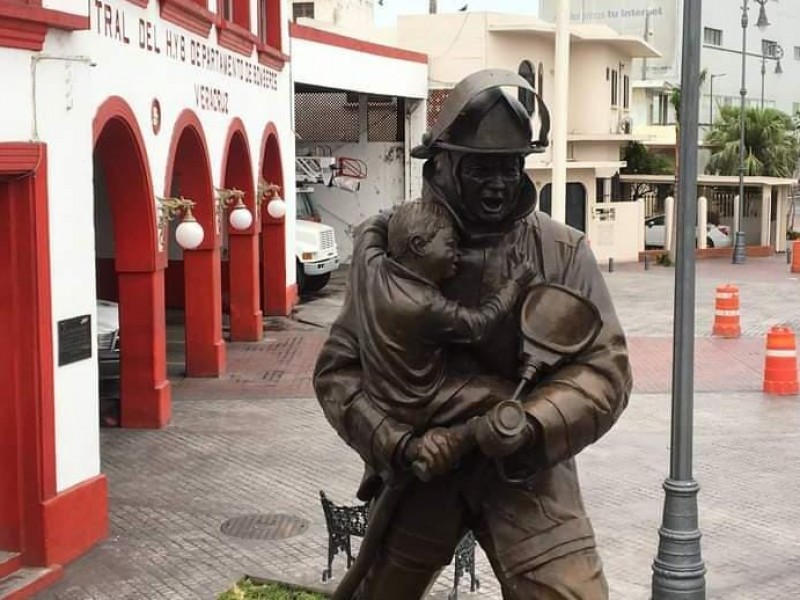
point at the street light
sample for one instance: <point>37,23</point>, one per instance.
<point>711,94</point>
<point>678,568</point>
<point>739,245</point>
<point>775,53</point>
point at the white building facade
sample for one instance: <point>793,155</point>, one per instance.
<point>660,23</point>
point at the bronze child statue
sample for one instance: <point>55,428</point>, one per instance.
<point>406,324</point>
<point>536,535</point>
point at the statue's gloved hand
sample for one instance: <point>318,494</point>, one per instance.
<point>434,453</point>
<point>518,270</point>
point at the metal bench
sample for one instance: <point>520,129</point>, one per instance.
<point>344,522</point>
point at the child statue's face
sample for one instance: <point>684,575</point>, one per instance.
<point>440,260</point>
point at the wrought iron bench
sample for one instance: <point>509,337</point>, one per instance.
<point>344,522</point>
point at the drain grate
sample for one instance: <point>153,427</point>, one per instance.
<point>264,527</point>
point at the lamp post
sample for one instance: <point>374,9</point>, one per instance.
<point>739,245</point>
<point>678,569</point>
<point>775,53</point>
<point>711,97</point>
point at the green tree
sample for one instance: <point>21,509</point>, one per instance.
<point>771,140</point>
<point>641,161</point>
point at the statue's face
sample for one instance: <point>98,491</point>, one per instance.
<point>489,184</point>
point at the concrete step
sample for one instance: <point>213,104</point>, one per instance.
<point>25,582</point>
<point>9,562</point>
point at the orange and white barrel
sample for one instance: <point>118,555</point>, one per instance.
<point>726,312</point>
<point>780,362</point>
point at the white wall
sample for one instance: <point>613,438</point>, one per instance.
<point>615,230</point>
<point>345,69</point>
<point>68,94</point>
<point>345,13</point>
<point>590,91</point>
<point>454,42</point>
<point>73,7</point>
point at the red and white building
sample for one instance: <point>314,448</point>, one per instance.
<point>111,107</point>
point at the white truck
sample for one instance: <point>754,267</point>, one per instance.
<point>314,245</point>
<point>315,242</point>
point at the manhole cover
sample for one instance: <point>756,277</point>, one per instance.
<point>264,527</point>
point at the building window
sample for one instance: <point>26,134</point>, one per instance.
<point>226,9</point>
<point>614,88</point>
<point>769,48</point>
<point>302,10</point>
<point>262,21</point>
<point>712,37</point>
<point>626,91</point>
<point>661,113</point>
<point>235,11</point>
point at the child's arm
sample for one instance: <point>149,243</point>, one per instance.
<point>453,323</point>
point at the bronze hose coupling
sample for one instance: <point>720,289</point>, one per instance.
<point>497,432</point>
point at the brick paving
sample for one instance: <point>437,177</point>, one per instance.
<point>255,441</point>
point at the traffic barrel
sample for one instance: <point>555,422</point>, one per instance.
<point>726,312</point>
<point>780,363</point>
<point>796,256</point>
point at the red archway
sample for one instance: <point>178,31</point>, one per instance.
<point>279,298</point>
<point>237,172</point>
<point>137,266</point>
<point>188,174</point>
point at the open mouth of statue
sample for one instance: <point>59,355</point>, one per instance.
<point>492,205</point>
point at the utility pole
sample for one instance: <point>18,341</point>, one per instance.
<point>678,569</point>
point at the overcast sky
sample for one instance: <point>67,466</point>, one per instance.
<point>385,15</point>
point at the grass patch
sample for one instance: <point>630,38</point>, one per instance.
<point>247,590</point>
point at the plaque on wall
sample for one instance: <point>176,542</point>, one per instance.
<point>74,339</point>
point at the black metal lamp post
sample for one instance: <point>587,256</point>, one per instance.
<point>678,569</point>
<point>739,245</point>
<point>775,53</point>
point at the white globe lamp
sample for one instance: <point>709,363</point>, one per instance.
<point>276,208</point>
<point>189,233</point>
<point>240,218</point>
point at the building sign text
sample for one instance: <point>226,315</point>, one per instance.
<point>114,23</point>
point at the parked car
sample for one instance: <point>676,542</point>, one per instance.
<point>315,245</point>
<point>108,348</point>
<point>717,236</point>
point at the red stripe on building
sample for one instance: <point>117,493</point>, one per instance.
<point>303,32</point>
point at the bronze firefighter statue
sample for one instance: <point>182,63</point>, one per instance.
<point>453,300</point>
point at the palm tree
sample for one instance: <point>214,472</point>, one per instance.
<point>772,143</point>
